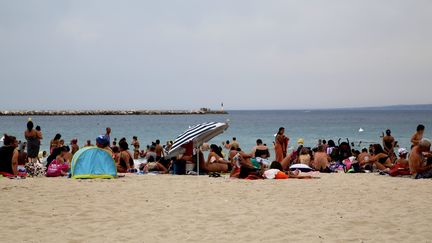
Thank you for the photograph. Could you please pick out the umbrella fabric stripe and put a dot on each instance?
(191, 135)
(193, 129)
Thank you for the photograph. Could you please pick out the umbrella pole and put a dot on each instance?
(197, 154)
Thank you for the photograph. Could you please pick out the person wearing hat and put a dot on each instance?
(403, 161)
(102, 142)
(401, 167)
(300, 141)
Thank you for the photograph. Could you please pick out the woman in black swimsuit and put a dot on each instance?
(124, 161)
(260, 150)
(380, 158)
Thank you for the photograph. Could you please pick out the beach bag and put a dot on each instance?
(55, 169)
(179, 167)
(347, 163)
(338, 167)
(22, 172)
(35, 169)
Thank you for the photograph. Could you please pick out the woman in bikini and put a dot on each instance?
(55, 142)
(124, 160)
(215, 160)
(380, 158)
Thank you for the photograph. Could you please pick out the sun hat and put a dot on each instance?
(300, 141)
(402, 151)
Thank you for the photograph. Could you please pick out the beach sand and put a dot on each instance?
(166, 208)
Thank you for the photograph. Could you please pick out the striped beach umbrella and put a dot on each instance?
(198, 134)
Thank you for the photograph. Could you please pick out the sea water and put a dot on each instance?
(247, 126)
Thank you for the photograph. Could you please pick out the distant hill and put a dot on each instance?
(423, 107)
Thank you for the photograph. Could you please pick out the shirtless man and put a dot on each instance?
(74, 146)
(159, 150)
(417, 165)
(389, 144)
(242, 165)
(415, 139)
(234, 143)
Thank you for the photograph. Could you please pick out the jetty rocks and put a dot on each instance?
(202, 111)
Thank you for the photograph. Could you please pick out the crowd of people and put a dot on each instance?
(25, 159)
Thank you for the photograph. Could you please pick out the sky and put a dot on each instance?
(188, 54)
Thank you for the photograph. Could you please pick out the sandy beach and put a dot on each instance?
(166, 208)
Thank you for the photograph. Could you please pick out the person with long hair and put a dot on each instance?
(55, 142)
(9, 156)
(124, 160)
(281, 145)
(216, 161)
(380, 158)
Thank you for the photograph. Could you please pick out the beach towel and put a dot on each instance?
(35, 169)
(5, 174)
(271, 174)
(399, 170)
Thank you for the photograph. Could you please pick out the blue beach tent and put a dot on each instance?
(93, 162)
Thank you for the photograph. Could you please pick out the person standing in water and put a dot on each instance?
(281, 145)
(33, 141)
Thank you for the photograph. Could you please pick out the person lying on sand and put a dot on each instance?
(276, 172)
(242, 164)
(153, 166)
